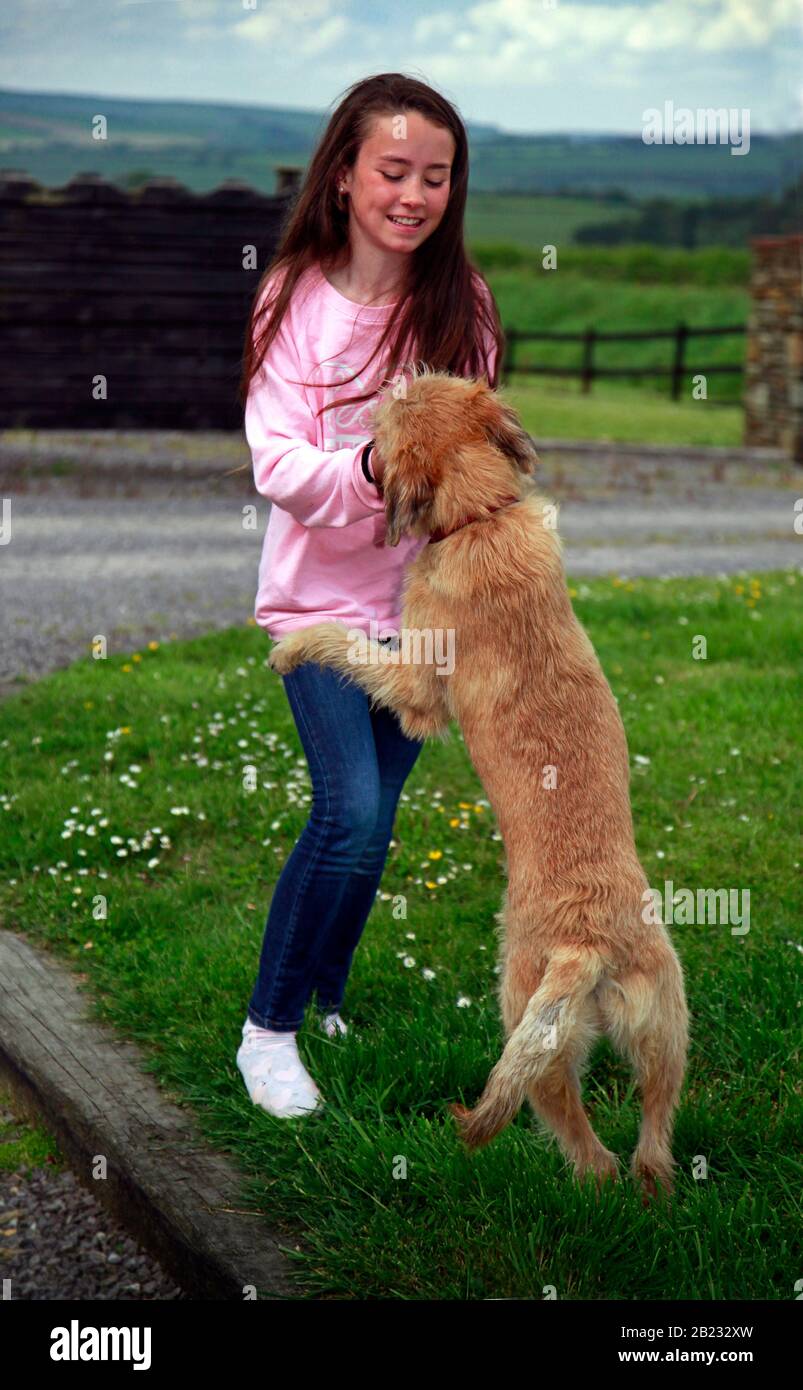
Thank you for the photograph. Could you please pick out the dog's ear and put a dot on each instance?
(405, 501)
(504, 430)
(408, 489)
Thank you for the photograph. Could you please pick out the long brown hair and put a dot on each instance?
(443, 311)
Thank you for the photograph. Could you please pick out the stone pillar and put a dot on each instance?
(773, 392)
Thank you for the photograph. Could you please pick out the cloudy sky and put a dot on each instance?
(526, 65)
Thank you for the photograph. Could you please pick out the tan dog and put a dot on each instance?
(579, 951)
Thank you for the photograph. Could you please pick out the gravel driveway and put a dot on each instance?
(58, 1242)
(138, 536)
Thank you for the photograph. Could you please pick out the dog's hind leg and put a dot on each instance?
(647, 1019)
(557, 1101)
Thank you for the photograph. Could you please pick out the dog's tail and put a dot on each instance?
(532, 1048)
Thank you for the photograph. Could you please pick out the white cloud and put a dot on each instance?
(287, 23)
(325, 36)
(579, 30)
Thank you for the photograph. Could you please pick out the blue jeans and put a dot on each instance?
(359, 760)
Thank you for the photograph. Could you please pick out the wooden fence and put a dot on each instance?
(588, 371)
(146, 290)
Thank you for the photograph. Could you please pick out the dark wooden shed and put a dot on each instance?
(142, 295)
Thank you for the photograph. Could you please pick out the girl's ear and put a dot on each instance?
(505, 432)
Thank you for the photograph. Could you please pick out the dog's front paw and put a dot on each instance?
(285, 656)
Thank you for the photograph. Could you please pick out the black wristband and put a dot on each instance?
(366, 451)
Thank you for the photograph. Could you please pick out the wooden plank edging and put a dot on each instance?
(164, 1182)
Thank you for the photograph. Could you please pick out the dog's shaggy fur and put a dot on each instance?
(544, 733)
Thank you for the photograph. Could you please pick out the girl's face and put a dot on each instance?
(402, 170)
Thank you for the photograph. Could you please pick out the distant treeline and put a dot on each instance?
(721, 221)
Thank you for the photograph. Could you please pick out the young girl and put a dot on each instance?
(371, 263)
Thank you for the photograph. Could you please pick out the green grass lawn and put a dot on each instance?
(123, 778)
(24, 1143)
(616, 412)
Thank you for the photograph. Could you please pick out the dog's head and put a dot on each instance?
(452, 447)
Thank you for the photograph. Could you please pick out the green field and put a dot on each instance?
(628, 290)
(123, 778)
(526, 222)
(613, 412)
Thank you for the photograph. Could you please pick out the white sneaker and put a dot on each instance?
(333, 1025)
(274, 1074)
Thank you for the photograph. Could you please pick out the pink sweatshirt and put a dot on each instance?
(323, 557)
